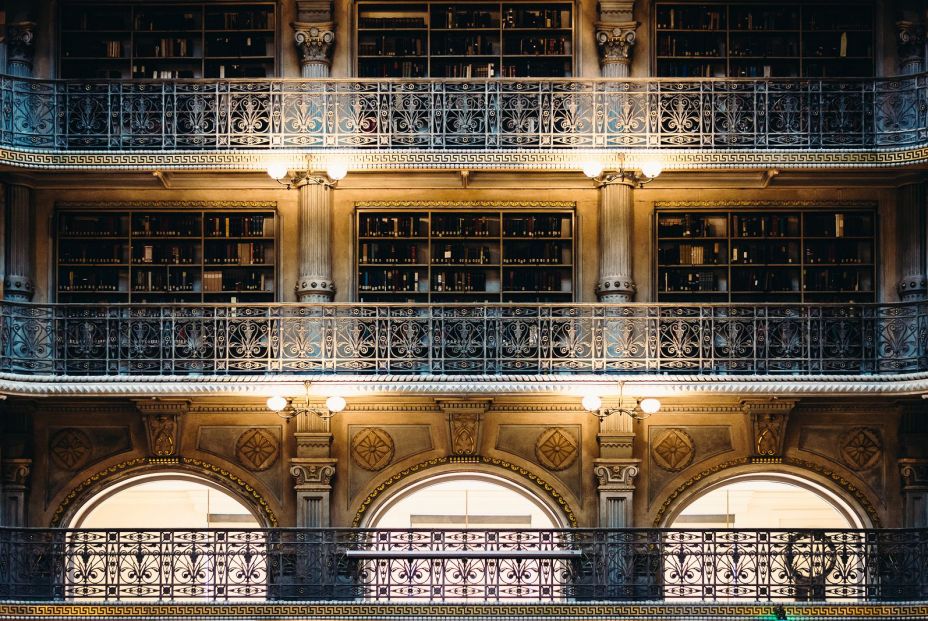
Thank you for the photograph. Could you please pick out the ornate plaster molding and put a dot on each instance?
(464, 422)
(616, 41)
(312, 474)
(20, 43)
(914, 473)
(769, 418)
(314, 42)
(910, 43)
(613, 475)
(16, 473)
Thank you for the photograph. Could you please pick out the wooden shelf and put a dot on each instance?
(734, 38)
(146, 30)
(469, 40)
(467, 253)
(759, 262)
(155, 254)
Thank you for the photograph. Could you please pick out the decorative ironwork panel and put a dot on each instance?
(549, 114)
(485, 339)
(476, 566)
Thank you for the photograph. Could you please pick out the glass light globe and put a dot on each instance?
(276, 403)
(277, 170)
(335, 404)
(651, 169)
(592, 169)
(336, 170)
(591, 403)
(649, 405)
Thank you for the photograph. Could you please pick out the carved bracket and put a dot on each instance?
(314, 41)
(312, 474)
(615, 41)
(464, 423)
(769, 418)
(162, 424)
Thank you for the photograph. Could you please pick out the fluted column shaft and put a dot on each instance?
(910, 223)
(315, 282)
(18, 284)
(615, 284)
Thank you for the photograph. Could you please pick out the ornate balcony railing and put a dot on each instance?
(490, 339)
(804, 115)
(474, 566)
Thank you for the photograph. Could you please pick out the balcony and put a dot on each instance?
(464, 566)
(817, 342)
(510, 124)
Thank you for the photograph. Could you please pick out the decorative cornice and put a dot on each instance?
(314, 41)
(451, 159)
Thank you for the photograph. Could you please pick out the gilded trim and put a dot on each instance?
(477, 204)
(764, 203)
(149, 205)
(210, 469)
(343, 610)
(546, 487)
(846, 485)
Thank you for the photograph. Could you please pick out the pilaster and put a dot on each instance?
(616, 32)
(18, 283)
(910, 43)
(315, 282)
(15, 484)
(615, 284)
(20, 49)
(915, 492)
(910, 224)
(313, 487)
(616, 491)
(314, 35)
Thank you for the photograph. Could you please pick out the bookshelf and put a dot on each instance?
(808, 255)
(161, 253)
(464, 39)
(753, 39)
(167, 41)
(461, 254)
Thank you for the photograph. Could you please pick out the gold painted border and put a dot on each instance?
(855, 204)
(546, 487)
(298, 610)
(211, 470)
(154, 205)
(846, 485)
(477, 204)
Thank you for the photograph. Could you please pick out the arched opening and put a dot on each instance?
(166, 535)
(772, 501)
(466, 537)
(464, 500)
(164, 500)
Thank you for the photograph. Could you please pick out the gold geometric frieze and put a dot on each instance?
(257, 449)
(70, 449)
(557, 448)
(861, 448)
(673, 450)
(372, 449)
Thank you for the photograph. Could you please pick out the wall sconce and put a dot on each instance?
(286, 409)
(632, 178)
(643, 409)
(335, 172)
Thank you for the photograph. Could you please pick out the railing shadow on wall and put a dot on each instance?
(463, 565)
(484, 339)
(437, 114)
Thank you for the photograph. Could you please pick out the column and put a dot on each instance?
(616, 469)
(20, 37)
(910, 224)
(15, 483)
(313, 469)
(315, 253)
(615, 284)
(910, 43)
(314, 33)
(615, 37)
(915, 492)
(18, 284)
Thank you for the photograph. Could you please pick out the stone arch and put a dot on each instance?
(527, 481)
(124, 472)
(847, 497)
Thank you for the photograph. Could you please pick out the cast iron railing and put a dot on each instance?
(486, 339)
(464, 565)
(550, 114)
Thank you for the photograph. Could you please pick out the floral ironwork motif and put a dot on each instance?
(557, 448)
(372, 448)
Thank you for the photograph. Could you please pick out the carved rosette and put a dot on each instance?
(557, 448)
(314, 42)
(673, 450)
(257, 449)
(20, 44)
(861, 448)
(372, 449)
(910, 42)
(615, 42)
(70, 449)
